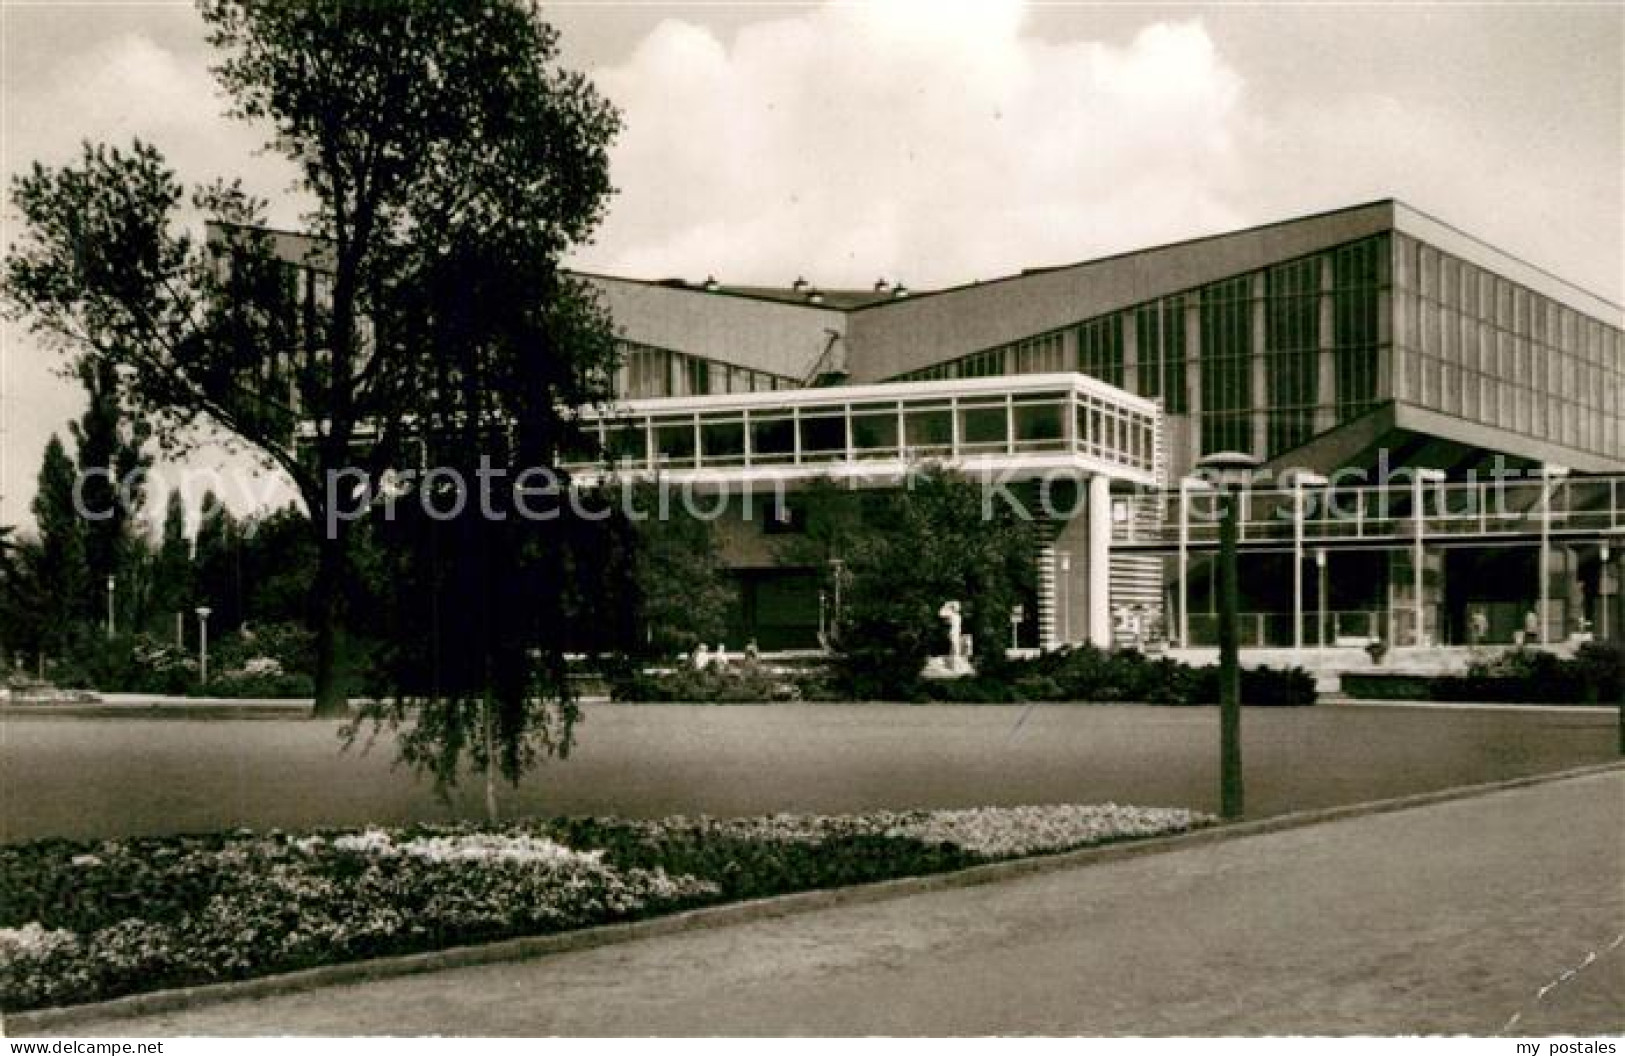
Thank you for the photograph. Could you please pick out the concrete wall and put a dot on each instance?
(779, 338)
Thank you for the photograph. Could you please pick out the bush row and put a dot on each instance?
(1082, 675)
(1531, 676)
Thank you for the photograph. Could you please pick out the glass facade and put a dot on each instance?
(1292, 345)
(1226, 366)
(647, 371)
(1100, 349)
(1472, 344)
(1159, 328)
(1262, 361)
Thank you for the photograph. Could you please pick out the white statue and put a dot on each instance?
(956, 662)
(702, 657)
(950, 612)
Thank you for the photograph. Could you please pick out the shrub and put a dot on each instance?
(736, 684)
(1526, 676)
(1083, 674)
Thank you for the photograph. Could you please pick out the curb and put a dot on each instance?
(49, 1020)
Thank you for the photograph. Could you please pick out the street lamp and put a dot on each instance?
(1229, 471)
(203, 644)
(110, 588)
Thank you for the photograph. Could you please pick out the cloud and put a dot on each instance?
(930, 142)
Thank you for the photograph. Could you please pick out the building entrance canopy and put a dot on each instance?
(1014, 428)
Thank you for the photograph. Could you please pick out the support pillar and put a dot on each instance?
(1046, 586)
(1098, 561)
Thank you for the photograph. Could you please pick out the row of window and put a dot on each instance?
(1473, 344)
(945, 428)
(646, 372)
(1330, 303)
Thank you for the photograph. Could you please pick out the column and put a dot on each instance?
(1098, 561)
(1046, 585)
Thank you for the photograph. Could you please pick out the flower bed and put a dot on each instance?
(82, 922)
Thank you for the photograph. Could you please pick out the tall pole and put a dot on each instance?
(1184, 566)
(1297, 566)
(1417, 558)
(111, 586)
(1320, 597)
(203, 644)
(1231, 797)
(1544, 564)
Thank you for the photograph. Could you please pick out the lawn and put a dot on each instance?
(103, 777)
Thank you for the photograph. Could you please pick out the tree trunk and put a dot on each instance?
(326, 601)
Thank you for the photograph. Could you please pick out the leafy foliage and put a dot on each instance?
(1519, 676)
(442, 150)
(903, 554)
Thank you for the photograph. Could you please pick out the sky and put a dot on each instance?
(934, 142)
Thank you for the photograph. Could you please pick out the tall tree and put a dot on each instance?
(424, 131)
(61, 588)
(906, 552)
(112, 462)
(172, 584)
(217, 564)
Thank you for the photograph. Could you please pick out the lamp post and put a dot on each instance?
(111, 586)
(1320, 597)
(203, 644)
(1230, 471)
(1017, 614)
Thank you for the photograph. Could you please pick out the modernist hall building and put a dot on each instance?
(1370, 344)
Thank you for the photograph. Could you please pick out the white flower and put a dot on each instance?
(33, 942)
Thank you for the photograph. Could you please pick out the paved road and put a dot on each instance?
(1443, 919)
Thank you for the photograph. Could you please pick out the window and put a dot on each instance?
(823, 437)
(930, 430)
(1045, 354)
(722, 443)
(874, 431)
(1038, 426)
(1227, 396)
(772, 439)
(674, 441)
(1292, 348)
(983, 426)
(1100, 349)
